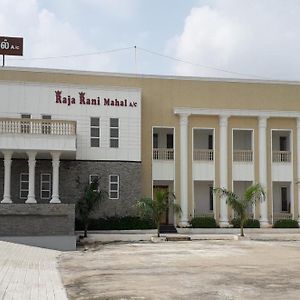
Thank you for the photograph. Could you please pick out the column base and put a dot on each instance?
(184, 223)
(224, 224)
(6, 199)
(55, 200)
(264, 224)
(30, 200)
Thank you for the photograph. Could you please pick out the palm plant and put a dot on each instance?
(157, 207)
(240, 206)
(88, 203)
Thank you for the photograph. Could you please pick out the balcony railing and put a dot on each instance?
(243, 155)
(163, 154)
(37, 126)
(282, 215)
(203, 154)
(281, 156)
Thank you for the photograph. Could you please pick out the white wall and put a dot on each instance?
(276, 134)
(39, 99)
(242, 140)
(201, 197)
(162, 136)
(201, 138)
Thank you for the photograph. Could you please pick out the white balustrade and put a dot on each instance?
(243, 155)
(36, 126)
(202, 154)
(281, 156)
(163, 154)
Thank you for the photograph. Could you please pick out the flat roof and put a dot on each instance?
(150, 76)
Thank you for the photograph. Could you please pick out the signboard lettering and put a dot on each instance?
(11, 46)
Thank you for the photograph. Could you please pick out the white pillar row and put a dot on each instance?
(184, 169)
(298, 166)
(31, 166)
(7, 176)
(223, 123)
(55, 177)
(262, 135)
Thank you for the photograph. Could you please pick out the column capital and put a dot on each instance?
(31, 155)
(262, 121)
(223, 119)
(298, 122)
(184, 118)
(55, 155)
(7, 154)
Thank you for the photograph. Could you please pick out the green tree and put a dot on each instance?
(89, 203)
(253, 194)
(157, 207)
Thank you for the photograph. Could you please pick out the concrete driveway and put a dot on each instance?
(227, 269)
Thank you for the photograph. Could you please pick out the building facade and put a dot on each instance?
(136, 134)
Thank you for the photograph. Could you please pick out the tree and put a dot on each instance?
(157, 207)
(240, 206)
(88, 203)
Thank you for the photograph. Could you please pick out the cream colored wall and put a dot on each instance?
(160, 96)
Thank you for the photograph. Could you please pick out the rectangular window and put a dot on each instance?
(210, 142)
(95, 132)
(25, 124)
(211, 198)
(282, 143)
(169, 141)
(155, 140)
(114, 186)
(46, 125)
(45, 186)
(24, 185)
(95, 178)
(114, 132)
(284, 199)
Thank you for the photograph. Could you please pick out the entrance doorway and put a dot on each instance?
(162, 188)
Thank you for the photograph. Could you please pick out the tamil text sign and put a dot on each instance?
(11, 45)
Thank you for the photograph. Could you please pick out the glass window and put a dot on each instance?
(284, 199)
(114, 183)
(24, 185)
(96, 179)
(211, 198)
(95, 132)
(45, 186)
(114, 133)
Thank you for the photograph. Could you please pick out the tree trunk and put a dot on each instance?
(158, 234)
(85, 230)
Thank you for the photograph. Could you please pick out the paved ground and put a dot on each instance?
(228, 269)
(29, 273)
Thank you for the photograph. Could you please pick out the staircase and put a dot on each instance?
(169, 228)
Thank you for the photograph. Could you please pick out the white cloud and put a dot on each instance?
(45, 35)
(254, 37)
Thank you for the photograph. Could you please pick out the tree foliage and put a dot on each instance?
(156, 208)
(90, 201)
(252, 194)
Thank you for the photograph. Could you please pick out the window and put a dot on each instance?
(114, 186)
(210, 142)
(46, 125)
(211, 198)
(155, 140)
(284, 199)
(114, 133)
(24, 185)
(95, 178)
(45, 186)
(282, 143)
(25, 124)
(95, 132)
(169, 141)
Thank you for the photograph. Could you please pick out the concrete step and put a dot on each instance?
(178, 238)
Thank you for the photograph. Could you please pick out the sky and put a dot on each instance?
(207, 38)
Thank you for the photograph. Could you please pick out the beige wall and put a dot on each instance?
(161, 95)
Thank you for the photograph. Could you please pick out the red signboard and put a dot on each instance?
(11, 45)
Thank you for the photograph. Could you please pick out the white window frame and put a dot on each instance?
(95, 137)
(91, 180)
(23, 190)
(41, 186)
(114, 138)
(118, 187)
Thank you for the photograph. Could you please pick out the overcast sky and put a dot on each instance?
(258, 38)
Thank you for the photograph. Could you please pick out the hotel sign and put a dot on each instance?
(11, 46)
(83, 99)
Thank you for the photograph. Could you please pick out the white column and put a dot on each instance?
(298, 166)
(31, 170)
(7, 174)
(262, 145)
(223, 123)
(55, 177)
(184, 169)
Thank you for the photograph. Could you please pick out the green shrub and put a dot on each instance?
(250, 223)
(117, 223)
(286, 223)
(203, 222)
